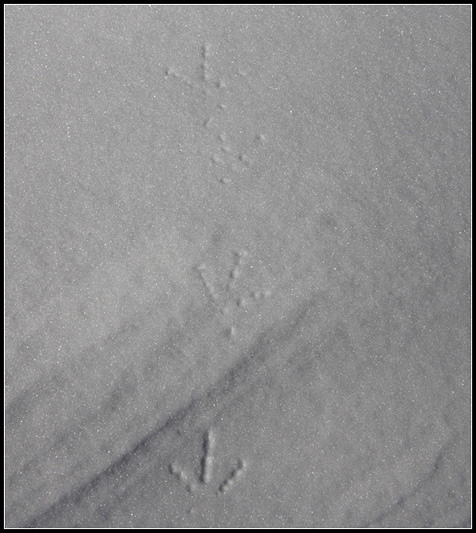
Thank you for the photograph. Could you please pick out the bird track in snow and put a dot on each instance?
(207, 459)
(206, 468)
(227, 159)
(204, 77)
(229, 296)
(206, 464)
(231, 478)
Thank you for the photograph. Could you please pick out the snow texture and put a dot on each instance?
(237, 266)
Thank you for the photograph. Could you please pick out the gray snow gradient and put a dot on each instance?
(237, 266)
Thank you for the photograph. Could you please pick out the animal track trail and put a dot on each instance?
(244, 297)
(209, 287)
(203, 80)
(182, 477)
(228, 159)
(205, 74)
(207, 459)
(235, 272)
(231, 478)
(230, 292)
(205, 476)
(206, 465)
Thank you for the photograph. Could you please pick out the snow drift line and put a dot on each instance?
(231, 386)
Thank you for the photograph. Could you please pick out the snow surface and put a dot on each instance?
(238, 266)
